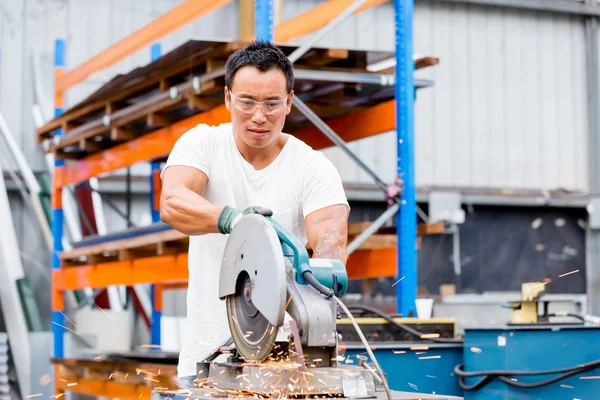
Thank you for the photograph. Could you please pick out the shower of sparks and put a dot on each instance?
(398, 281)
(569, 273)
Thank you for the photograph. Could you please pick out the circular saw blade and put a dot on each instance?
(252, 333)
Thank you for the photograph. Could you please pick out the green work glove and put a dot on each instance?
(230, 216)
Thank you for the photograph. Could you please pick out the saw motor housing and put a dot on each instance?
(266, 272)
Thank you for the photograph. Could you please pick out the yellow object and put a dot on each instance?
(526, 312)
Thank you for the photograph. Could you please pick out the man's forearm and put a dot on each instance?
(188, 212)
(331, 244)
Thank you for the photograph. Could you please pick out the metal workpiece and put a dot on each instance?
(221, 394)
(285, 379)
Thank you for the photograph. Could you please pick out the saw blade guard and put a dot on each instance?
(253, 248)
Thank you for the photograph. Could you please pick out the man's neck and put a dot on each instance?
(261, 158)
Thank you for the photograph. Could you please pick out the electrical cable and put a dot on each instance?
(366, 344)
(406, 328)
(502, 375)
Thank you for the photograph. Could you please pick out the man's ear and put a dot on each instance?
(227, 97)
(289, 103)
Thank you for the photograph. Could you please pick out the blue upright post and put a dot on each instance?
(58, 317)
(406, 220)
(263, 20)
(155, 53)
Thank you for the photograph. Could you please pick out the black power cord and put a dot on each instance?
(502, 375)
(406, 328)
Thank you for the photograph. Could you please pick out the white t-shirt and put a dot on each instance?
(299, 181)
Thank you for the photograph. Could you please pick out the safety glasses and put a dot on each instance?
(248, 106)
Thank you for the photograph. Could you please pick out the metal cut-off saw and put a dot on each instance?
(265, 273)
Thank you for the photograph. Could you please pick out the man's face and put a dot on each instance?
(258, 125)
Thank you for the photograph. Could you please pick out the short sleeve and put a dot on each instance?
(321, 184)
(194, 148)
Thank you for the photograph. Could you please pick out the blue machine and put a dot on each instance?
(570, 352)
(409, 367)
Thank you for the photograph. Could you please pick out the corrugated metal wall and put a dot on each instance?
(507, 110)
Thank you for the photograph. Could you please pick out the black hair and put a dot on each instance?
(264, 56)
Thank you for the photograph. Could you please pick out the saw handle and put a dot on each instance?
(293, 247)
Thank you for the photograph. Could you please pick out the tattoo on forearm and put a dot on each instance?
(329, 246)
(333, 215)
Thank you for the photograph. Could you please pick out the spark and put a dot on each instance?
(429, 357)
(399, 351)
(68, 319)
(34, 395)
(569, 273)
(58, 396)
(64, 327)
(72, 384)
(430, 376)
(476, 350)
(398, 281)
(102, 310)
(150, 346)
(419, 348)
(567, 386)
(589, 377)
(430, 335)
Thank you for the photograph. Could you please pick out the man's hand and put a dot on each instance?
(327, 231)
(230, 216)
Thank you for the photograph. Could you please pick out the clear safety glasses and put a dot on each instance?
(248, 106)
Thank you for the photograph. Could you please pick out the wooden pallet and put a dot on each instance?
(165, 92)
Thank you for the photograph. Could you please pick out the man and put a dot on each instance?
(215, 175)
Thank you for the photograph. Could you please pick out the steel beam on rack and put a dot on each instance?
(184, 13)
(172, 268)
(113, 119)
(557, 6)
(372, 121)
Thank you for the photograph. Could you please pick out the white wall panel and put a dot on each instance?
(508, 106)
(507, 109)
